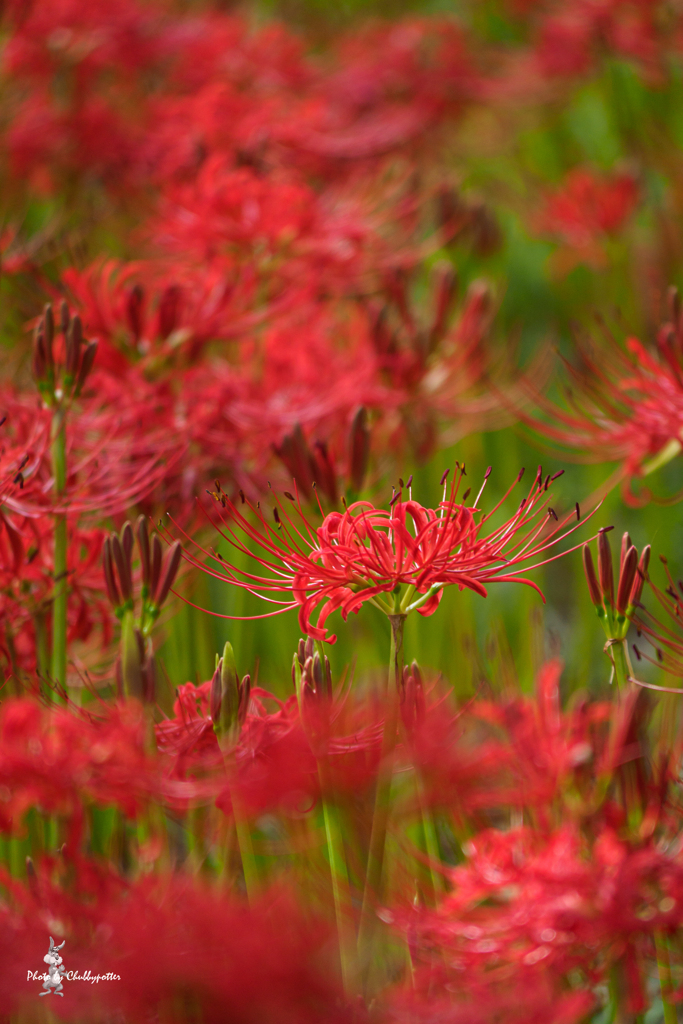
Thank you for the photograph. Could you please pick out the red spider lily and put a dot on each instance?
(584, 211)
(27, 584)
(364, 553)
(60, 760)
(665, 637)
(627, 405)
(213, 955)
(118, 448)
(536, 907)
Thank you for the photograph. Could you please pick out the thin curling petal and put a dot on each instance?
(626, 580)
(368, 554)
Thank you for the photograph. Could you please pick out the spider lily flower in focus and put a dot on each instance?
(398, 559)
(626, 406)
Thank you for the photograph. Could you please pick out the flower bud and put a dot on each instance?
(245, 697)
(168, 315)
(134, 311)
(74, 341)
(49, 334)
(123, 566)
(301, 652)
(172, 563)
(86, 366)
(626, 580)
(605, 571)
(640, 576)
(155, 567)
(109, 576)
(591, 578)
(143, 548)
(127, 541)
(359, 449)
(39, 360)
(64, 317)
(445, 285)
(227, 718)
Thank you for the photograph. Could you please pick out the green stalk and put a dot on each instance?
(340, 883)
(380, 819)
(665, 983)
(59, 602)
(431, 839)
(622, 669)
(246, 847)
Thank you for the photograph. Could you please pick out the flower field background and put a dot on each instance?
(341, 477)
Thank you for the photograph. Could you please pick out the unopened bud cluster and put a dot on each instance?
(229, 699)
(135, 669)
(60, 369)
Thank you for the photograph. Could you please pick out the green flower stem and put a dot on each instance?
(341, 892)
(666, 985)
(380, 819)
(431, 839)
(59, 601)
(246, 847)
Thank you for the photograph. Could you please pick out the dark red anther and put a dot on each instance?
(520, 474)
(290, 496)
(444, 477)
(578, 512)
(276, 517)
(552, 513)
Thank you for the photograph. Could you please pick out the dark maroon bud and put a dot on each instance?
(123, 567)
(155, 568)
(626, 579)
(307, 674)
(445, 286)
(605, 571)
(309, 647)
(74, 341)
(127, 541)
(625, 545)
(49, 334)
(109, 577)
(640, 576)
(317, 673)
(591, 578)
(64, 317)
(325, 474)
(39, 362)
(134, 311)
(359, 449)
(172, 563)
(276, 517)
(301, 652)
(87, 361)
(169, 310)
(143, 548)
